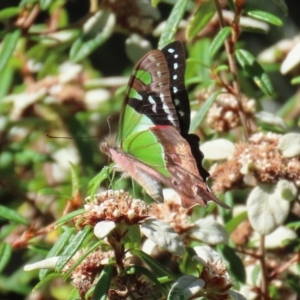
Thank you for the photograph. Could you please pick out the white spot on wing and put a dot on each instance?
(175, 89)
(175, 66)
(158, 73)
(175, 56)
(151, 100)
(171, 50)
(152, 58)
(175, 77)
(169, 115)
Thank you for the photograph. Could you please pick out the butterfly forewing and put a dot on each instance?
(148, 94)
(175, 57)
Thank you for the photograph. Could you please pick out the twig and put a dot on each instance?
(264, 275)
(229, 46)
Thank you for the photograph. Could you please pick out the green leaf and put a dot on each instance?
(96, 181)
(45, 4)
(235, 222)
(5, 255)
(255, 71)
(282, 5)
(73, 247)
(103, 283)
(9, 12)
(203, 15)
(231, 5)
(6, 79)
(156, 267)
(172, 23)
(235, 263)
(74, 295)
(155, 2)
(265, 16)
(46, 279)
(200, 115)
(293, 281)
(219, 40)
(12, 215)
(82, 258)
(295, 80)
(57, 248)
(8, 46)
(152, 276)
(75, 181)
(69, 216)
(96, 31)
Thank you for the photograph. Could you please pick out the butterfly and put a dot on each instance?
(153, 145)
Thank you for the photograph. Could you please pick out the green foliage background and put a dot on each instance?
(60, 78)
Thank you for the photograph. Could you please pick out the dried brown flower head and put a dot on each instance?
(117, 206)
(131, 286)
(223, 115)
(172, 213)
(259, 160)
(217, 281)
(84, 275)
(135, 16)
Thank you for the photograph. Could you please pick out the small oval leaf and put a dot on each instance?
(254, 71)
(219, 149)
(103, 284)
(219, 40)
(5, 254)
(172, 23)
(163, 235)
(203, 15)
(209, 231)
(103, 228)
(96, 31)
(185, 287)
(12, 215)
(266, 208)
(201, 113)
(289, 145)
(8, 46)
(265, 16)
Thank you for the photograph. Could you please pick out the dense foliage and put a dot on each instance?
(72, 228)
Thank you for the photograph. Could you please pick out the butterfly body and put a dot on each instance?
(153, 145)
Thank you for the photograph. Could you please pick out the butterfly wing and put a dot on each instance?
(148, 98)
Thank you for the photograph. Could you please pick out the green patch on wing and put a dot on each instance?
(131, 123)
(144, 146)
(133, 93)
(144, 76)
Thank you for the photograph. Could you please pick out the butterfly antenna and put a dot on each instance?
(68, 137)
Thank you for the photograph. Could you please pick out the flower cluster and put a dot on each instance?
(83, 277)
(214, 274)
(136, 16)
(116, 206)
(223, 115)
(131, 285)
(172, 213)
(259, 160)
